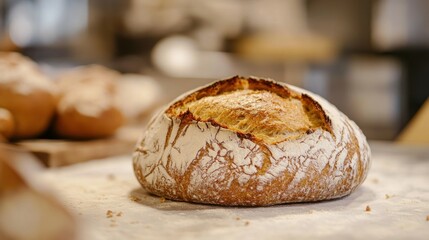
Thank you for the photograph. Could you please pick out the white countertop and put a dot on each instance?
(396, 191)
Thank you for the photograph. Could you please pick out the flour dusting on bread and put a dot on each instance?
(209, 147)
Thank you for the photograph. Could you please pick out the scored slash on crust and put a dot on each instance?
(181, 111)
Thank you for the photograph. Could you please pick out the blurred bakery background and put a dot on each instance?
(370, 58)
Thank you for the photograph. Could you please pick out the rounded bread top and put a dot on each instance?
(88, 89)
(22, 74)
(90, 76)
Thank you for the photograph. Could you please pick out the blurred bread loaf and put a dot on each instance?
(28, 212)
(7, 124)
(91, 76)
(87, 108)
(251, 142)
(27, 94)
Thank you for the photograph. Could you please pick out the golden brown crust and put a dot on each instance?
(27, 94)
(232, 84)
(7, 124)
(86, 108)
(72, 124)
(188, 155)
(257, 109)
(316, 113)
(32, 112)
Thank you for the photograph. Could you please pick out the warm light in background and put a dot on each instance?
(336, 49)
(176, 55)
(45, 22)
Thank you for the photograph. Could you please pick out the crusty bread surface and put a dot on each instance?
(88, 76)
(7, 124)
(251, 142)
(86, 108)
(27, 94)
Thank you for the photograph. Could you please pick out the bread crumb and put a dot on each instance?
(427, 218)
(237, 218)
(387, 196)
(162, 200)
(109, 214)
(246, 223)
(119, 214)
(113, 225)
(367, 209)
(135, 199)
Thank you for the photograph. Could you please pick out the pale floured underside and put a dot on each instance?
(202, 162)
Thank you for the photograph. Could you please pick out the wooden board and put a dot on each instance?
(55, 153)
(417, 132)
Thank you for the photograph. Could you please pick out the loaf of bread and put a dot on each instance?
(251, 142)
(7, 124)
(27, 94)
(87, 107)
(92, 76)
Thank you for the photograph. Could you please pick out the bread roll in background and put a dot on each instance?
(86, 114)
(27, 94)
(251, 142)
(7, 124)
(87, 107)
(26, 211)
(91, 76)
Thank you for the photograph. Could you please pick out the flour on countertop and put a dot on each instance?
(85, 189)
